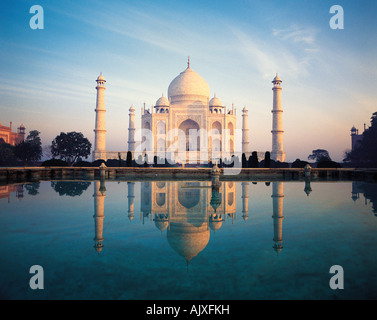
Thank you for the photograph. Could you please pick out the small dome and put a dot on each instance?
(277, 79)
(161, 224)
(215, 102)
(162, 102)
(353, 128)
(101, 78)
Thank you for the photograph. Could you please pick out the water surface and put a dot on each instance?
(188, 239)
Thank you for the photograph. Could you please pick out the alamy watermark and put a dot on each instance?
(37, 20)
(337, 280)
(190, 147)
(37, 280)
(337, 20)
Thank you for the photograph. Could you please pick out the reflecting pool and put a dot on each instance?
(188, 239)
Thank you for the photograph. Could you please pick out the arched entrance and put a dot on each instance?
(190, 129)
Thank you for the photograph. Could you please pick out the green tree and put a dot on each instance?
(253, 160)
(244, 161)
(267, 159)
(129, 159)
(6, 153)
(319, 155)
(70, 146)
(30, 149)
(72, 189)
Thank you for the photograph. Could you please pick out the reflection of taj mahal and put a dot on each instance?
(188, 211)
(188, 125)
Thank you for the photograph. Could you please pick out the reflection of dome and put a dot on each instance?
(215, 225)
(188, 241)
(215, 102)
(188, 86)
(215, 222)
(161, 222)
(98, 249)
(277, 247)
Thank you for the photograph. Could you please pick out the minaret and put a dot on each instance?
(245, 131)
(99, 206)
(100, 131)
(245, 200)
(277, 207)
(277, 152)
(131, 199)
(131, 130)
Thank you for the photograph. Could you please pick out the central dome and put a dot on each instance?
(188, 87)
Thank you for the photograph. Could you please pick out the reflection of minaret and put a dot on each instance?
(355, 191)
(131, 199)
(245, 200)
(277, 203)
(145, 196)
(99, 206)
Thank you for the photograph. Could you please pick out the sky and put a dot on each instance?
(329, 75)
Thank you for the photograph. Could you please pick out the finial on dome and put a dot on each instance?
(188, 62)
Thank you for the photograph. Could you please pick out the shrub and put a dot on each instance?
(83, 164)
(54, 163)
(328, 164)
(299, 163)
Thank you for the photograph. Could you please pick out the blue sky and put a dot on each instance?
(48, 76)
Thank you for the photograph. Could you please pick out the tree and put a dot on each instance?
(70, 146)
(72, 189)
(244, 162)
(6, 153)
(253, 160)
(30, 149)
(319, 155)
(267, 159)
(129, 159)
(299, 163)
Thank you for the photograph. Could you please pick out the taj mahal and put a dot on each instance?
(187, 125)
